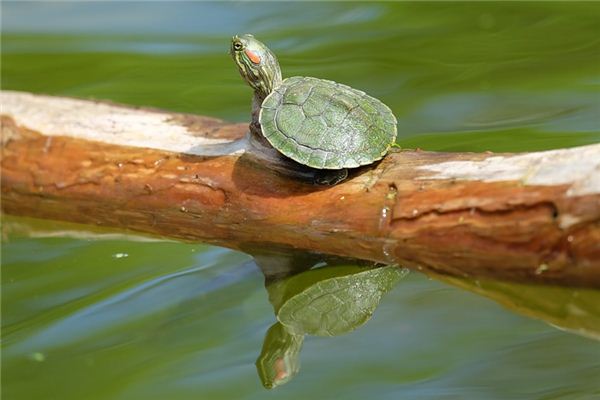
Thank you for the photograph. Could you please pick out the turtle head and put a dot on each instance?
(256, 63)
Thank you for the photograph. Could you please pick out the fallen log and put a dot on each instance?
(531, 217)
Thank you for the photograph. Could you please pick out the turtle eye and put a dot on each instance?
(237, 46)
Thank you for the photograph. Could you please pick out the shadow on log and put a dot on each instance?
(531, 217)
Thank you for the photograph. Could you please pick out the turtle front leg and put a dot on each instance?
(330, 176)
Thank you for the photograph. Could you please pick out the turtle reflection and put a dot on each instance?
(327, 301)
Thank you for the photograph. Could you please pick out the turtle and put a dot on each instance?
(327, 301)
(319, 124)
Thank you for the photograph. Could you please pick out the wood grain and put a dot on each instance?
(530, 217)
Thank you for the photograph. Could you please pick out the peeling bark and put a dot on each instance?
(531, 217)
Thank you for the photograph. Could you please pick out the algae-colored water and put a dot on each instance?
(113, 317)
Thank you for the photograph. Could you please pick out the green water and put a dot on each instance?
(115, 317)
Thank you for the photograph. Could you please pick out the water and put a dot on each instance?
(100, 316)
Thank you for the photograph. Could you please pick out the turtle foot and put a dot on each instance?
(330, 177)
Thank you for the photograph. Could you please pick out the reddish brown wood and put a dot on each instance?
(389, 213)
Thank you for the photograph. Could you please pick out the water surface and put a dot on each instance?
(105, 316)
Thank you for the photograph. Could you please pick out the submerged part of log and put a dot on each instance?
(531, 216)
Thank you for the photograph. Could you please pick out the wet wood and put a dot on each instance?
(530, 217)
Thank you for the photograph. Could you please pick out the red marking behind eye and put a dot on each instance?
(280, 368)
(255, 58)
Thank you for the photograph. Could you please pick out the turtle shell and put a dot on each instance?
(326, 125)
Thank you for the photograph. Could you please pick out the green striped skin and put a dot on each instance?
(279, 360)
(315, 122)
(262, 77)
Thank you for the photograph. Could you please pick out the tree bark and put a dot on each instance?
(530, 217)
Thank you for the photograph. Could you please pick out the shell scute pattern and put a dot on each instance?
(368, 107)
(332, 117)
(289, 118)
(297, 94)
(324, 124)
(347, 102)
(312, 107)
(311, 133)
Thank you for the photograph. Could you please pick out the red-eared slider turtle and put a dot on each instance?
(327, 301)
(318, 123)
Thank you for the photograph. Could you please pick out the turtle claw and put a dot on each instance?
(330, 177)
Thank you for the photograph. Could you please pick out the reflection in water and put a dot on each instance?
(321, 299)
(575, 310)
(184, 321)
(313, 295)
(279, 359)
